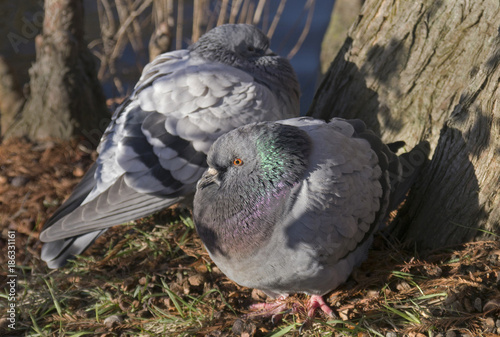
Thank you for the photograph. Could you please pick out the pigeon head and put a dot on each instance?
(245, 47)
(252, 170)
(270, 154)
(233, 44)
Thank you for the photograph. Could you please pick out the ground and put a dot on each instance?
(153, 277)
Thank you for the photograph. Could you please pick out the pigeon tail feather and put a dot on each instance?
(81, 191)
(58, 253)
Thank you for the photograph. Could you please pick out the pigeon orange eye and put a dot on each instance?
(237, 162)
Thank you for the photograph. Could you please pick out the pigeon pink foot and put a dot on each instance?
(316, 302)
(275, 309)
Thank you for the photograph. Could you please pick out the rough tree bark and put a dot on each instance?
(460, 190)
(429, 70)
(65, 95)
(344, 14)
(11, 98)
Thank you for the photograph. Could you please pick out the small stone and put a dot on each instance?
(112, 321)
(451, 333)
(492, 304)
(391, 334)
(185, 288)
(238, 326)
(344, 314)
(196, 280)
(497, 323)
(258, 295)
(478, 304)
(244, 329)
(450, 299)
(489, 322)
(468, 305)
(433, 270)
(78, 172)
(19, 181)
(402, 286)
(216, 270)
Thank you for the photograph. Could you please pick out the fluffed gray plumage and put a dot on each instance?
(154, 151)
(292, 206)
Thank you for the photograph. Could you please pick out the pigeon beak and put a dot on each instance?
(211, 176)
(269, 52)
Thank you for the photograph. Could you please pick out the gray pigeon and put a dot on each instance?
(154, 151)
(292, 206)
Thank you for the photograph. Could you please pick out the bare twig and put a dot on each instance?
(199, 11)
(108, 29)
(163, 18)
(276, 18)
(265, 19)
(136, 34)
(222, 13)
(110, 25)
(310, 4)
(251, 9)
(124, 24)
(180, 22)
(235, 8)
(213, 16)
(133, 31)
(258, 11)
(244, 11)
(120, 35)
(106, 22)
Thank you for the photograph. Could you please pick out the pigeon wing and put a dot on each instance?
(154, 150)
(335, 210)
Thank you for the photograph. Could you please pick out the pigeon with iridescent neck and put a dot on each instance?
(153, 152)
(292, 206)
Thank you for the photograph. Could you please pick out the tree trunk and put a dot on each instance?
(429, 70)
(404, 65)
(459, 191)
(65, 96)
(344, 13)
(11, 98)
